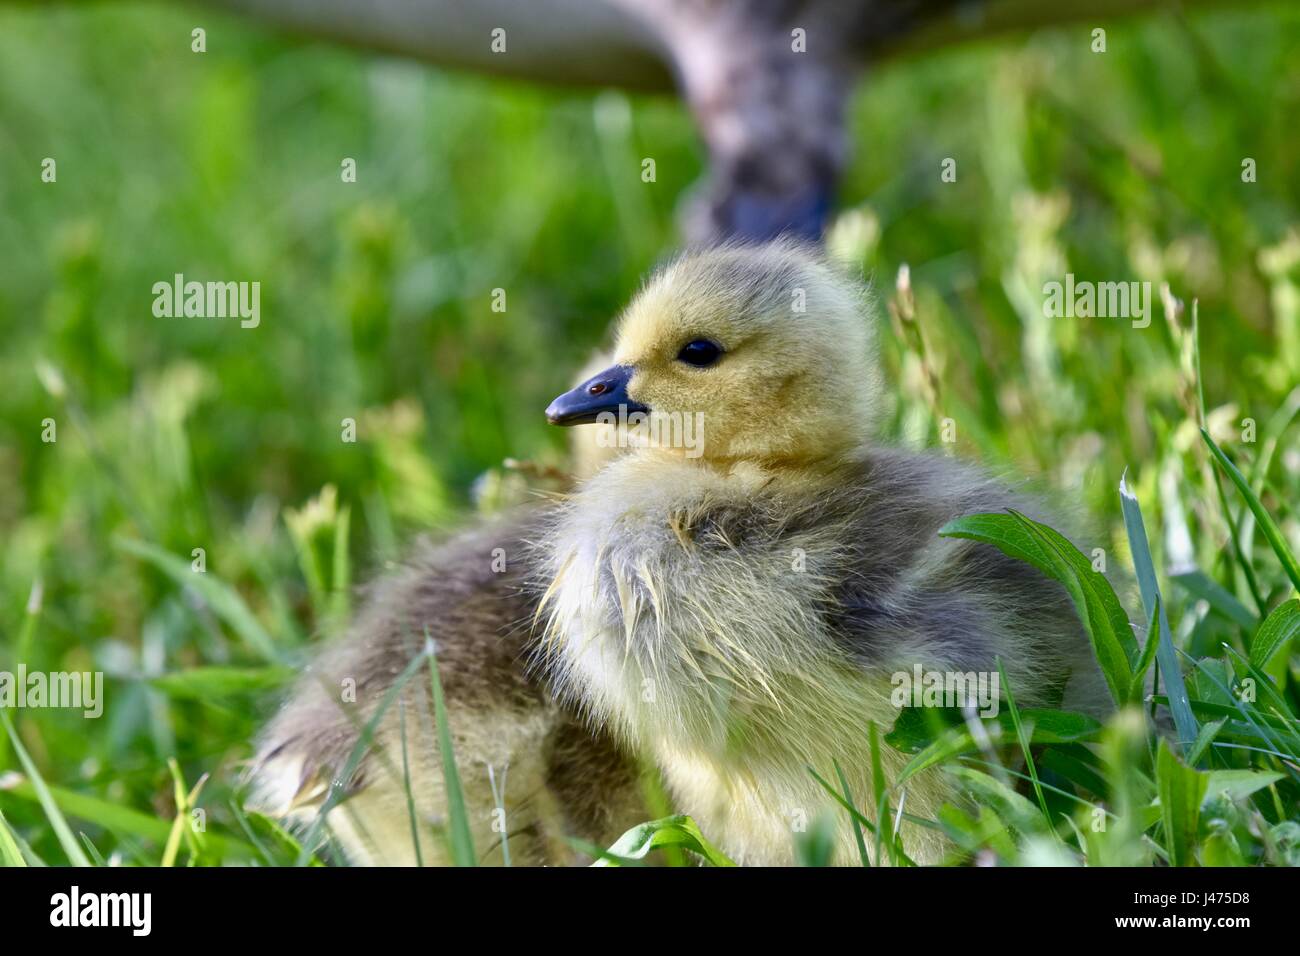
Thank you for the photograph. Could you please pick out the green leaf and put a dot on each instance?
(1045, 727)
(1221, 849)
(919, 727)
(1099, 609)
(972, 833)
(221, 597)
(1012, 808)
(1278, 629)
(916, 728)
(1239, 784)
(1002, 531)
(1076, 764)
(1184, 720)
(1262, 518)
(1181, 791)
(1222, 601)
(678, 831)
(218, 683)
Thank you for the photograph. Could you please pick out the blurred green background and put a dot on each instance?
(376, 305)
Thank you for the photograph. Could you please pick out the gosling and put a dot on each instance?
(735, 608)
(535, 777)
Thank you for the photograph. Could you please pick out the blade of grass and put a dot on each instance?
(1023, 739)
(462, 842)
(10, 855)
(173, 846)
(246, 825)
(216, 684)
(602, 857)
(1234, 531)
(27, 632)
(1283, 719)
(358, 751)
(680, 831)
(282, 837)
(1263, 519)
(117, 818)
(1181, 790)
(857, 827)
(1184, 720)
(1199, 584)
(23, 645)
(1204, 739)
(885, 834)
(1148, 651)
(76, 856)
(1245, 711)
(1104, 619)
(859, 817)
(341, 582)
(95, 855)
(1276, 426)
(185, 801)
(406, 786)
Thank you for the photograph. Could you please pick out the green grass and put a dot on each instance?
(176, 435)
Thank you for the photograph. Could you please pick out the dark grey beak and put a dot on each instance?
(606, 392)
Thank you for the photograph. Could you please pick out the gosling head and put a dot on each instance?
(740, 353)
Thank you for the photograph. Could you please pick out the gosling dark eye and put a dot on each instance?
(701, 353)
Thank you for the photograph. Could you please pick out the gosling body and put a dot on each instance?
(741, 629)
(741, 615)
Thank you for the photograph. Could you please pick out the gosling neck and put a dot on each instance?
(801, 471)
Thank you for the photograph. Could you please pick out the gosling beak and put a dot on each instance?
(606, 392)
